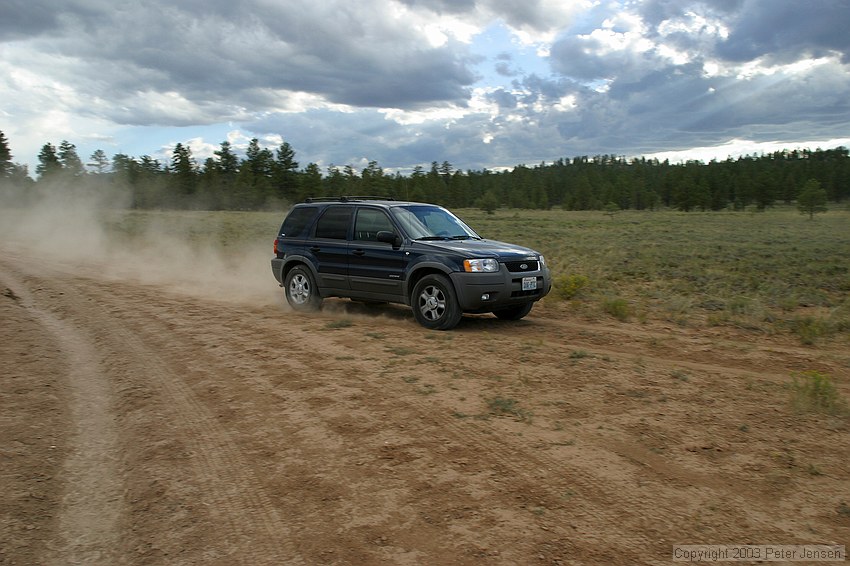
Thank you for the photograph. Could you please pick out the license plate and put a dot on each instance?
(529, 283)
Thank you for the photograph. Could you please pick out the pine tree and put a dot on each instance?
(71, 163)
(311, 181)
(373, 180)
(286, 177)
(228, 162)
(99, 162)
(184, 172)
(48, 162)
(812, 199)
(261, 162)
(6, 165)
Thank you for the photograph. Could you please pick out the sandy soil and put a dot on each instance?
(148, 424)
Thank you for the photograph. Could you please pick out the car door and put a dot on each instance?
(376, 269)
(329, 248)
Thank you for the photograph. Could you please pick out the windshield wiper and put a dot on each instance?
(464, 237)
(432, 238)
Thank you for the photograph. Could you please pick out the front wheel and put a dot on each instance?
(301, 292)
(514, 313)
(434, 303)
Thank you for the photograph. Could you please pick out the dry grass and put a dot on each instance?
(768, 272)
(771, 272)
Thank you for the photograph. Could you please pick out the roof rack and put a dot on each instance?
(345, 198)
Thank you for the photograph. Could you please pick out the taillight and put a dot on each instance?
(275, 246)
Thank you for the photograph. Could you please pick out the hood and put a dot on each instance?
(480, 249)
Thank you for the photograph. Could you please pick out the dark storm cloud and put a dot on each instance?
(215, 51)
(23, 18)
(627, 77)
(529, 13)
(786, 30)
(579, 58)
(503, 98)
(533, 14)
(442, 6)
(646, 99)
(656, 11)
(783, 30)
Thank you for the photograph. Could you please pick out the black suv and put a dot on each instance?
(422, 255)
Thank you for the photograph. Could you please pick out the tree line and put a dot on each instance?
(264, 178)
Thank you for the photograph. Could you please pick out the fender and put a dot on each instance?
(423, 264)
(286, 265)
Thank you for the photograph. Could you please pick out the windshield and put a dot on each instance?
(425, 222)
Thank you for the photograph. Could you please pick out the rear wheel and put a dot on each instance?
(514, 313)
(301, 292)
(434, 303)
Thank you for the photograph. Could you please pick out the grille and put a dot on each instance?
(516, 266)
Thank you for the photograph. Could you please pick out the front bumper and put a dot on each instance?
(501, 289)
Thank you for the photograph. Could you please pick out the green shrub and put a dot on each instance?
(618, 308)
(809, 328)
(506, 406)
(812, 391)
(569, 286)
(839, 318)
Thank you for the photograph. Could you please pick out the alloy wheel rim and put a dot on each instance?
(432, 303)
(299, 289)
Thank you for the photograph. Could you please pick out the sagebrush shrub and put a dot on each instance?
(568, 286)
(618, 308)
(812, 391)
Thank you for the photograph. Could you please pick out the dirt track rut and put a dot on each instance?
(228, 432)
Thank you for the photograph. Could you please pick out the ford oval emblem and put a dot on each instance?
(523, 266)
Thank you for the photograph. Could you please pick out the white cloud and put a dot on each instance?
(412, 81)
(736, 148)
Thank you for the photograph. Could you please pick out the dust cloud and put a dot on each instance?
(75, 228)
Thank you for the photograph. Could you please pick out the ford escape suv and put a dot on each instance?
(417, 254)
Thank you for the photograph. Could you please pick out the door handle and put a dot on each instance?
(315, 249)
(359, 252)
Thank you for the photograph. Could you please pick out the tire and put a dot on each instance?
(435, 304)
(514, 313)
(302, 294)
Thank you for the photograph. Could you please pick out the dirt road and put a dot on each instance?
(143, 424)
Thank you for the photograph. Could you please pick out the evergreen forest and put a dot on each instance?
(264, 178)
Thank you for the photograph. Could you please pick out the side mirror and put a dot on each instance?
(388, 237)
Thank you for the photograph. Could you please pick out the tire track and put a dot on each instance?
(611, 508)
(249, 529)
(243, 513)
(313, 426)
(513, 468)
(321, 442)
(92, 506)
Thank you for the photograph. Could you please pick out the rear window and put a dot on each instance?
(298, 221)
(334, 223)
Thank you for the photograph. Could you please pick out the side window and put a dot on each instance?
(369, 222)
(296, 224)
(334, 223)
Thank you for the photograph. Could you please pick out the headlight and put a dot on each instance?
(542, 261)
(480, 265)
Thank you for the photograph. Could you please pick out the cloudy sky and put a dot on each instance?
(477, 83)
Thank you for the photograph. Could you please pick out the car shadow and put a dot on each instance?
(469, 322)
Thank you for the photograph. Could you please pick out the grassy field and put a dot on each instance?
(771, 272)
